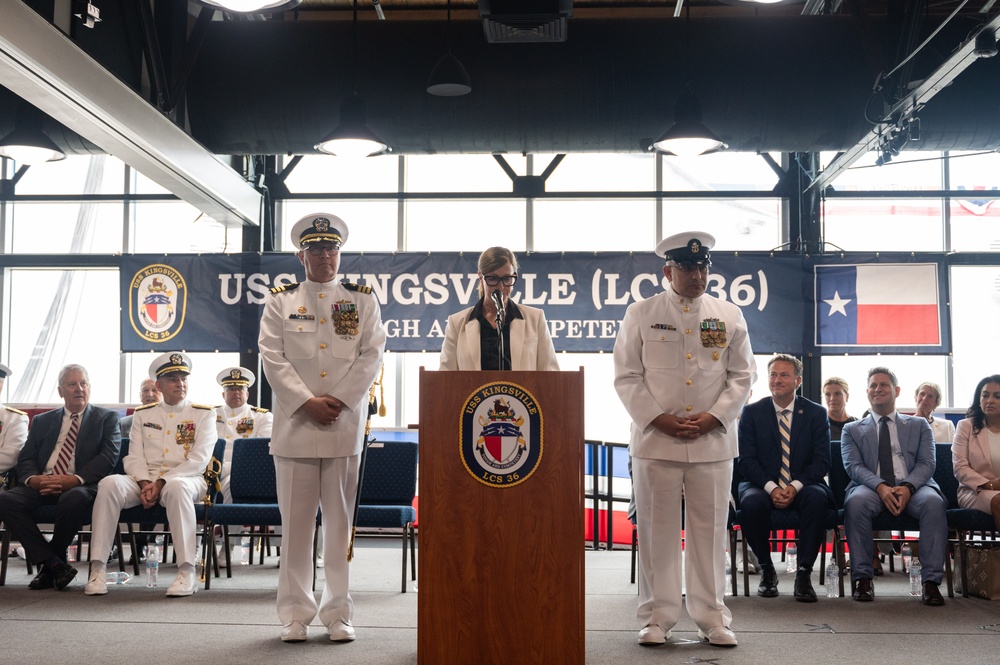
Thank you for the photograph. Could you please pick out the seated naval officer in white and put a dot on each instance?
(471, 337)
(171, 444)
(236, 419)
(13, 429)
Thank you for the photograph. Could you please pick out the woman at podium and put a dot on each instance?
(496, 333)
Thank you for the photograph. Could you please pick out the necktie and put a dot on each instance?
(885, 453)
(68, 447)
(785, 475)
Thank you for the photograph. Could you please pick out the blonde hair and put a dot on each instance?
(933, 386)
(492, 259)
(837, 381)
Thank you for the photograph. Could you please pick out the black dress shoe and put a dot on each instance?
(877, 566)
(63, 574)
(864, 590)
(43, 580)
(768, 587)
(932, 595)
(804, 591)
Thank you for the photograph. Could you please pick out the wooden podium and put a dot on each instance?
(501, 533)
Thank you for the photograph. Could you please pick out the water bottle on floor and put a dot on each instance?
(244, 550)
(153, 562)
(791, 558)
(916, 588)
(905, 553)
(118, 577)
(729, 580)
(832, 577)
(74, 549)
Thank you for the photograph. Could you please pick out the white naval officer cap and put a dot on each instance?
(319, 227)
(686, 247)
(4, 371)
(169, 363)
(236, 376)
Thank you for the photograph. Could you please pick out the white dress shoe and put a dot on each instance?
(296, 631)
(97, 585)
(342, 631)
(185, 584)
(719, 636)
(653, 635)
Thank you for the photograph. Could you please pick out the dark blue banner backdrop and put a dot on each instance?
(213, 302)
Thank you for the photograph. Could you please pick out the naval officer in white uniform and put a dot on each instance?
(236, 419)
(321, 343)
(170, 445)
(13, 429)
(683, 370)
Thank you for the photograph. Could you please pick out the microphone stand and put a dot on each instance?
(501, 313)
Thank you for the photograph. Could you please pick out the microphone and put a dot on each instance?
(498, 301)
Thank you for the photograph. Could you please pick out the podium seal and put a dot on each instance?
(500, 438)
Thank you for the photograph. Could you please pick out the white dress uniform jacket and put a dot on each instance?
(242, 423)
(176, 441)
(13, 434)
(662, 366)
(305, 356)
(530, 344)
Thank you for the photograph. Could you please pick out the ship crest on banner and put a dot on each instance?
(157, 302)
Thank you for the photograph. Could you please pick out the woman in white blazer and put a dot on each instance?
(976, 451)
(927, 397)
(471, 338)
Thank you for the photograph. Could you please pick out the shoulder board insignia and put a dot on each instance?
(258, 409)
(360, 288)
(285, 287)
(147, 406)
(206, 407)
(13, 410)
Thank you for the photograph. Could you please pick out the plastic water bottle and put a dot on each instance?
(832, 576)
(117, 577)
(153, 562)
(729, 579)
(244, 550)
(791, 558)
(74, 549)
(916, 588)
(905, 552)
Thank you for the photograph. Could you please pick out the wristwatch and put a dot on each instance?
(909, 486)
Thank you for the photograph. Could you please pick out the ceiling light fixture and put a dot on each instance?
(353, 137)
(449, 78)
(30, 147)
(986, 44)
(688, 136)
(252, 6)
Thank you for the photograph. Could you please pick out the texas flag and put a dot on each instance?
(877, 305)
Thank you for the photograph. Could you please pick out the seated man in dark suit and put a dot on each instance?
(67, 452)
(784, 456)
(890, 459)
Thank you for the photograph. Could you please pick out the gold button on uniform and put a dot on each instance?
(687, 408)
(170, 415)
(322, 345)
(689, 382)
(687, 332)
(662, 338)
(322, 320)
(300, 328)
(323, 374)
(688, 356)
(166, 450)
(322, 295)
(686, 308)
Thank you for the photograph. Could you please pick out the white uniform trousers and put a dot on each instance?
(178, 496)
(706, 489)
(305, 484)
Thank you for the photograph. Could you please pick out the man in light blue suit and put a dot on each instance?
(890, 460)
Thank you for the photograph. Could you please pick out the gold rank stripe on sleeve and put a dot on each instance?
(360, 288)
(146, 406)
(206, 407)
(13, 410)
(285, 287)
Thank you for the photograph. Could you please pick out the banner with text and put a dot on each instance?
(213, 302)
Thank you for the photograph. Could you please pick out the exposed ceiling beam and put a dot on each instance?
(908, 106)
(38, 63)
